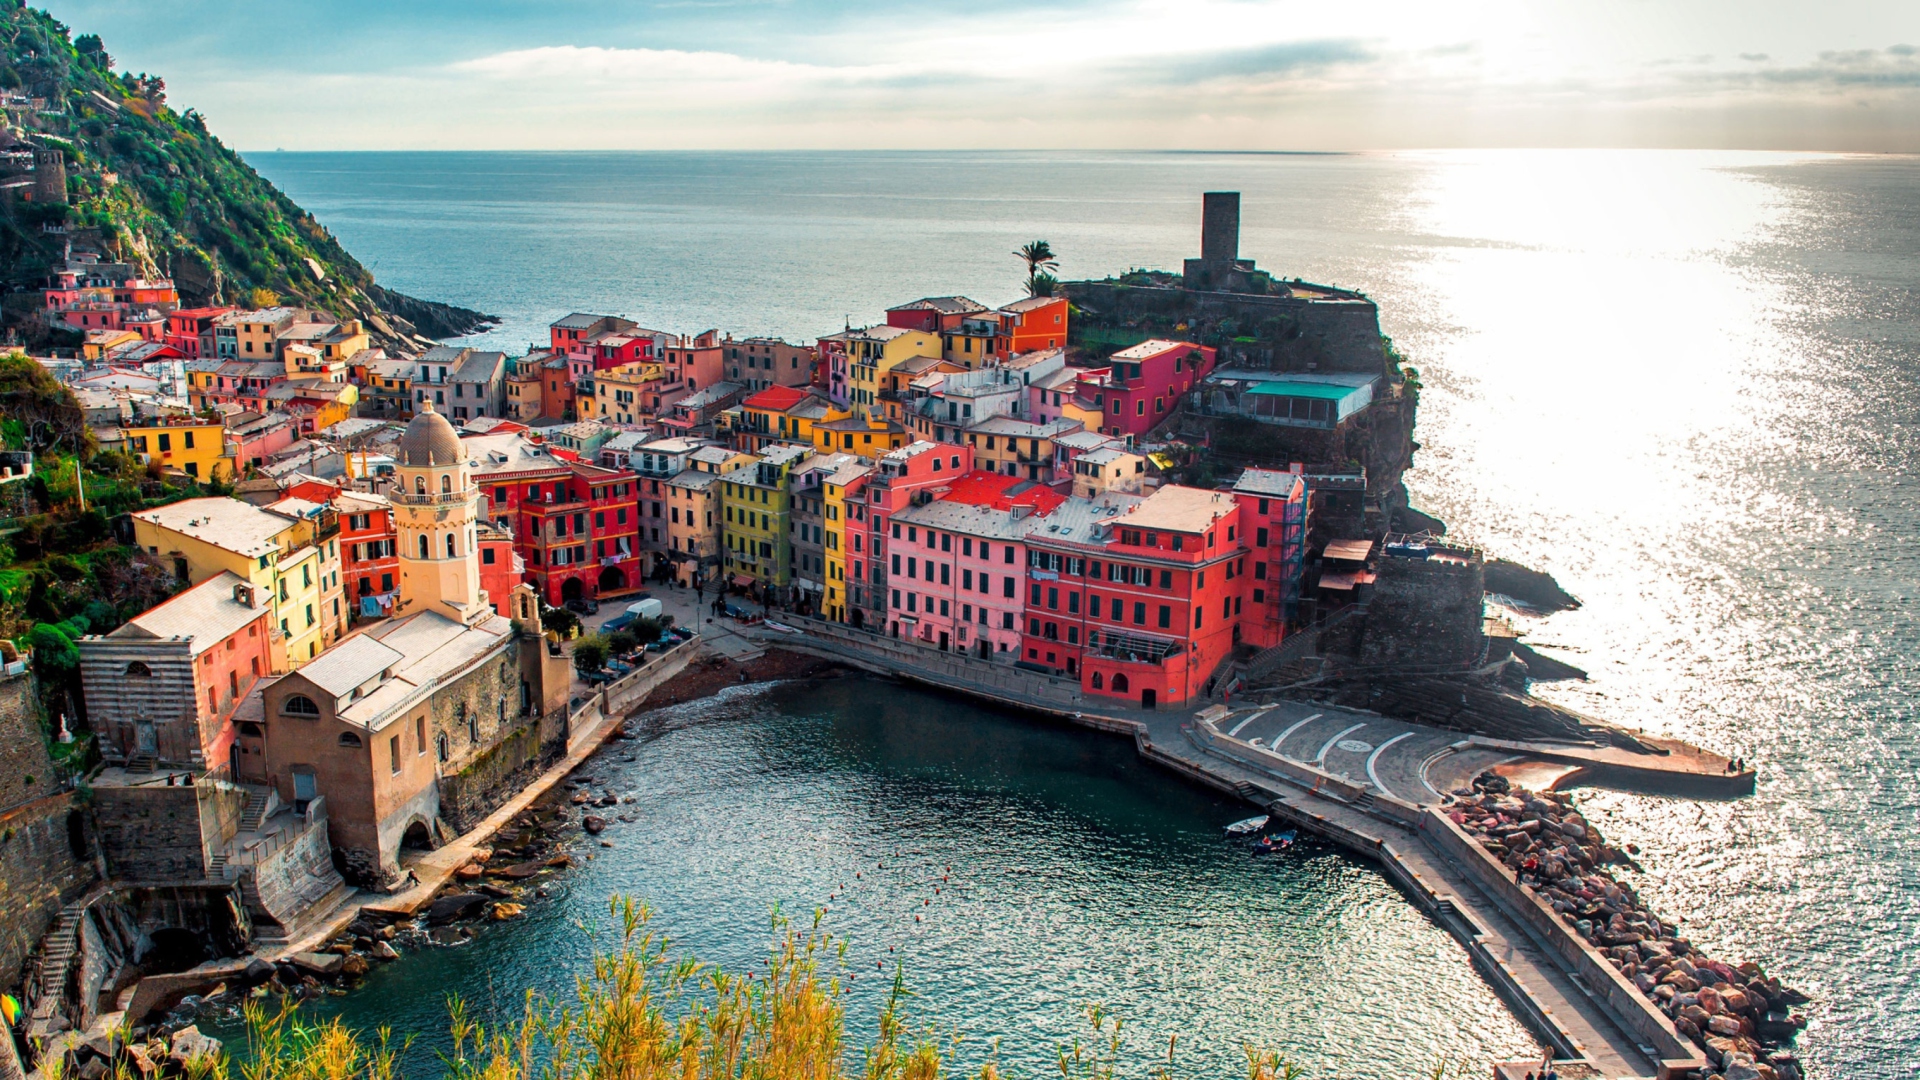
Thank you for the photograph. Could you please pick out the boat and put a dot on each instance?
(1267, 845)
(1248, 827)
(1284, 839)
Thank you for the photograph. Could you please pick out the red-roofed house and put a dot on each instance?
(962, 557)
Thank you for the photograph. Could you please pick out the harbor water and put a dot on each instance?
(1686, 384)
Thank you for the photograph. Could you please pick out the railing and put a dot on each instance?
(444, 498)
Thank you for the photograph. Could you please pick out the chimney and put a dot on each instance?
(243, 593)
(1220, 226)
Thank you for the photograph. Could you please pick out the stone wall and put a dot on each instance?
(46, 849)
(1341, 334)
(516, 739)
(152, 833)
(288, 882)
(1425, 613)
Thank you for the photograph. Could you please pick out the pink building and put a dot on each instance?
(965, 557)
(1143, 385)
(256, 437)
(898, 479)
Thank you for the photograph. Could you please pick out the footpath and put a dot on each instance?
(1380, 804)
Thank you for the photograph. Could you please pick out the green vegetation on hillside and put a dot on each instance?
(152, 187)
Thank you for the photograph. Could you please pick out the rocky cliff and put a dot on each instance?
(150, 186)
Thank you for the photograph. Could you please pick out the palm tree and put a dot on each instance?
(1042, 284)
(1038, 256)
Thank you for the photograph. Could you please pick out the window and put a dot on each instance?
(139, 670)
(1139, 614)
(420, 734)
(393, 753)
(1166, 616)
(424, 552)
(446, 485)
(442, 745)
(299, 705)
(450, 546)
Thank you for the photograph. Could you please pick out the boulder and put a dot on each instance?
(318, 963)
(594, 824)
(141, 1062)
(93, 1069)
(495, 891)
(521, 871)
(470, 872)
(383, 951)
(188, 1044)
(456, 906)
(355, 966)
(580, 798)
(503, 911)
(446, 935)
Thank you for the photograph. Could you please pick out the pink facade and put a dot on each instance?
(964, 559)
(897, 478)
(1143, 385)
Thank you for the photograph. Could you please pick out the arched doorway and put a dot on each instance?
(173, 950)
(1119, 682)
(612, 580)
(417, 837)
(570, 589)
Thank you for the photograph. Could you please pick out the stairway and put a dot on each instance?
(56, 956)
(217, 867)
(256, 811)
(1298, 645)
(143, 763)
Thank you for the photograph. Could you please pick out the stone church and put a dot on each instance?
(415, 729)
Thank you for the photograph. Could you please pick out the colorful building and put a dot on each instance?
(871, 353)
(756, 514)
(1140, 599)
(1144, 384)
(757, 363)
(965, 562)
(1273, 520)
(695, 534)
(899, 477)
(783, 414)
(575, 524)
(193, 446)
(844, 513)
(289, 558)
(369, 556)
(164, 687)
(868, 438)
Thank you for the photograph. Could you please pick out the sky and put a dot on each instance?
(1840, 75)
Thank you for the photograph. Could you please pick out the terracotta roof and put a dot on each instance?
(777, 398)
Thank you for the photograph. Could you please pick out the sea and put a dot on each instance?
(1687, 384)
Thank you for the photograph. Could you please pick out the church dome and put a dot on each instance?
(429, 441)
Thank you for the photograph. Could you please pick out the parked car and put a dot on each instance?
(581, 606)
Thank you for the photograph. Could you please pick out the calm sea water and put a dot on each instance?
(1686, 384)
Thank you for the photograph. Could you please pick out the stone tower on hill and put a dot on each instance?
(435, 511)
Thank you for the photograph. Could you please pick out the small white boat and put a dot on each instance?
(1250, 825)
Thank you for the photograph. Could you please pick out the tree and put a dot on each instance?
(262, 298)
(590, 655)
(1042, 284)
(1038, 255)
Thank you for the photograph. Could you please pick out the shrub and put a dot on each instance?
(590, 655)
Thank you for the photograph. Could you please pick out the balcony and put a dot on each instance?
(444, 498)
(1135, 648)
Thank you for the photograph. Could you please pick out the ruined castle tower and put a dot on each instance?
(49, 177)
(1219, 265)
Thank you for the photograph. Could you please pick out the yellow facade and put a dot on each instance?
(294, 566)
(873, 352)
(773, 425)
(199, 450)
(836, 491)
(869, 438)
(618, 392)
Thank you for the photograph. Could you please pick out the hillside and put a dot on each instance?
(151, 186)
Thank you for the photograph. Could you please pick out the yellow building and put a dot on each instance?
(868, 438)
(757, 510)
(873, 352)
(619, 391)
(195, 447)
(717, 459)
(98, 342)
(694, 531)
(838, 491)
(291, 558)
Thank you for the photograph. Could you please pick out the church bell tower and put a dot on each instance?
(435, 511)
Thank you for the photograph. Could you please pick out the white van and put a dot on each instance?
(645, 609)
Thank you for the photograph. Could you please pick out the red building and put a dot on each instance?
(934, 314)
(191, 330)
(1038, 322)
(1273, 524)
(1141, 599)
(698, 361)
(1143, 385)
(369, 560)
(500, 567)
(575, 526)
(899, 477)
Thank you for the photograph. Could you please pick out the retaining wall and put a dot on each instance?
(1314, 779)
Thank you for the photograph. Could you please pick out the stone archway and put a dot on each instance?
(571, 589)
(417, 837)
(612, 579)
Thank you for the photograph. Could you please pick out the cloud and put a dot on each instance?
(1263, 62)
